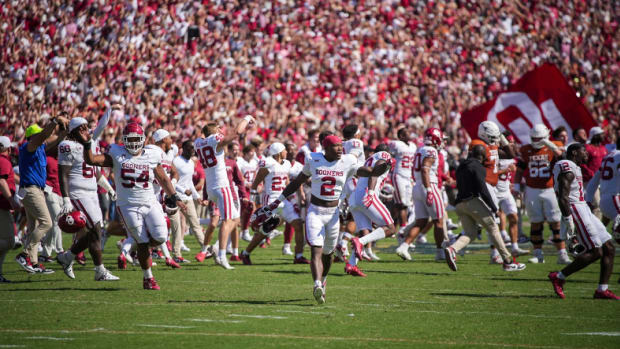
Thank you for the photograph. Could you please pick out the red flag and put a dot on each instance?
(540, 96)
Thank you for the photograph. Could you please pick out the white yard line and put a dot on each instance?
(304, 312)
(609, 334)
(51, 338)
(12, 346)
(212, 320)
(299, 337)
(164, 326)
(260, 316)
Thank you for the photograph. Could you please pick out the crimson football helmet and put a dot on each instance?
(72, 222)
(433, 137)
(264, 220)
(133, 138)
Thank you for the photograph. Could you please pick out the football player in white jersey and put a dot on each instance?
(248, 167)
(328, 173)
(164, 143)
(78, 185)
(352, 144)
(135, 169)
(427, 197)
(508, 205)
(274, 171)
(402, 176)
(298, 199)
(590, 232)
(313, 145)
(211, 150)
(368, 210)
(608, 176)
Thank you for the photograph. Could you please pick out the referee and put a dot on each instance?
(475, 207)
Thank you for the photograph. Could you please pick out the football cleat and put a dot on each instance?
(537, 260)
(450, 258)
(373, 256)
(245, 258)
(234, 258)
(286, 250)
(40, 269)
(353, 270)
(121, 262)
(301, 260)
(358, 248)
(319, 294)
(223, 263)
(513, 266)
(24, 262)
(200, 257)
(66, 263)
(105, 276)
(181, 260)
(607, 294)
(516, 252)
(150, 284)
(497, 259)
(421, 239)
(403, 253)
(338, 254)
(564, 259)
(558, 284)
(80, 258)
(171, 263)
(366, 256)
(439, 255)
(245, 235)
(184, 248)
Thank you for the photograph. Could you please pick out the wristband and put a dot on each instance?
(87, 145)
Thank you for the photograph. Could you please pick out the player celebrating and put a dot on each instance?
(426, 195)
(135, 169)
(248, 167)
(211, 151)
(78, 185)
(609, 178)
(508, 205)
(540, 200)
(274, 172)
(591, 233)
(368, 210)
(402, 176)
(328, 173)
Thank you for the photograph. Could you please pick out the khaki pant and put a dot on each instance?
(473, 213)
(7, 234)
(53, 238)
(38, 220)
(194, 226)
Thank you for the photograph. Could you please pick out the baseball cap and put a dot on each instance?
(5, 142)
(595, 131)
(33, 130)
(76, 122)
(159, 135)
(276, 148)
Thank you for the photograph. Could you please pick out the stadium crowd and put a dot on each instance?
(170, 91)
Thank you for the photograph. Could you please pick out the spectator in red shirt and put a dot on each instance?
(596, 152)
(7, 188)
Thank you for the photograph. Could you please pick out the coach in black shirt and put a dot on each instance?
(475, 207)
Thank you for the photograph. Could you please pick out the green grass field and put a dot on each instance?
(417, 304)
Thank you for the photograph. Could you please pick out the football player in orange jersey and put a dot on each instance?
(497, 147)
(541, 203)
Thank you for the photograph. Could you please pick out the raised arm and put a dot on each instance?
(239, 130)
(101, 160)
(38, 139)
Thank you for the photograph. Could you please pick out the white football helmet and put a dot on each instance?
(538, 134)
(489, 132)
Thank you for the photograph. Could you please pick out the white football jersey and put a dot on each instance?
(277, 178)
(355, 147)
(213, 162)
(185, 168)
(166, 164)
(133, 175)
(503, 184)
(248, 169)
(610, 173)
(296, 169)
(328, 178)
(82, 179)
(423, 153)
(576, 187)
(403, 154)
(362, 182)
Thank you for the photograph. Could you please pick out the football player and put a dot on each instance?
(248, 167)
(590, 232)
(135, 168)
(540, 200)
(402, 176)
(608, 176)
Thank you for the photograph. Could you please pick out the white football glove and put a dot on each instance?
(67, 206)
(567, 228)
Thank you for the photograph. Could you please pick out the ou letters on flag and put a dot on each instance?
(540, 96)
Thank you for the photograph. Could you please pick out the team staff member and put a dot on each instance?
(474, 205)
(32, 171)
(7, 189)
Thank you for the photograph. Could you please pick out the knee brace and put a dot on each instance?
(536, 236)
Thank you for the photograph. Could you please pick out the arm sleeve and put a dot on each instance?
(101, 125)
(592, 185)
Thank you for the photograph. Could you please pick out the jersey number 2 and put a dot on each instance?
(327, 188)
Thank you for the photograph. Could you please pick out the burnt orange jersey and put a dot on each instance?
(492, 162)
(537, 165)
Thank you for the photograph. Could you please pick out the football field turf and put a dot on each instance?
(417, 304)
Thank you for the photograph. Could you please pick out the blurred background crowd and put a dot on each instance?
(296, 65)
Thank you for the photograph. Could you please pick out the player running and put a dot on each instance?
(78, 185)
(590, 233)
(540, 200)
(135, 170)
(402, 175)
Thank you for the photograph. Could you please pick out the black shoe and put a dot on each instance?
(40, 269)
(3, 279)
(24, 262)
